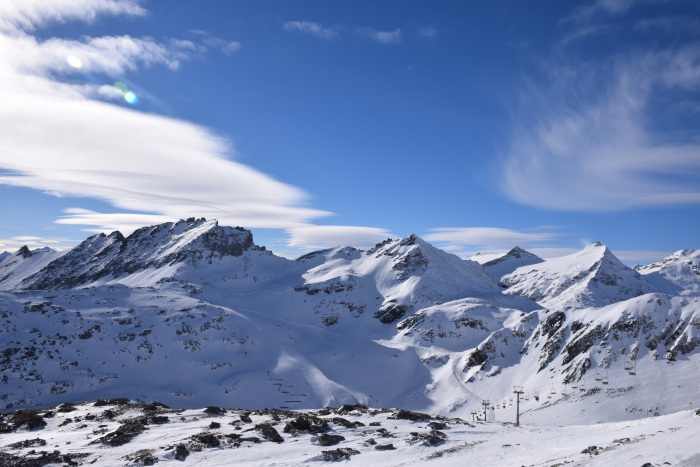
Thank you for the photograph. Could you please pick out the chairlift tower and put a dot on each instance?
(517, 390)
(486, 404)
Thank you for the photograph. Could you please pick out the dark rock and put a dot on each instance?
(390, 312)
(432, 438)
(144, 456)
(413, 416)
(326, 439)
(269, 432)
(307, 424)
(181, 452)
(245, 418)
(29, 419)
(346, 423)
(347, 408)
(252, 439)
(375, 424)
(213, 410)
(384, 447)
(590, 450)
(122, 435)
(64, 408)
(156, 407)
(437, 425)
(28, 443)
(214, 425)
(207, 439)
(44, 458)
(337, 454)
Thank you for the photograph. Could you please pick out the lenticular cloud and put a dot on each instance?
(57, 136)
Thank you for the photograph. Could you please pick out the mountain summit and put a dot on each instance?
(157, 251)
(593, 277)
(498, 265)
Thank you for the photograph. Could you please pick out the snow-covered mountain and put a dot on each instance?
(593, 277)
(15, 268)
(193, 314)
(678, 273)
(146, 256)
(498, 265)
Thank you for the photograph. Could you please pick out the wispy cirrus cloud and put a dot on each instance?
(227, 47)
(467, 241)
(608, 133)
(315, 29)
(311, 28)
(587, 11)
(428, 32)
(57, 137)
(327, 236)
(382, 37)
(26, 15)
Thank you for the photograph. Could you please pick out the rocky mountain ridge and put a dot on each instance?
(191, 314)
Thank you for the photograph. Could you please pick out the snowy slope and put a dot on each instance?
(498, 265)
(193, 314)
(116, 432)
(678, 273)
(15, 268)
(591, 277)
(408, 274)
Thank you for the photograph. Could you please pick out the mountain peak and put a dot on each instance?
(172, 243)
(24, 252)
(592, 277)
(676, 273)
(498, 265)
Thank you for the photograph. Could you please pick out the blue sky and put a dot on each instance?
(476, 125)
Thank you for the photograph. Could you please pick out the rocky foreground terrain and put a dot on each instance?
(120, 432)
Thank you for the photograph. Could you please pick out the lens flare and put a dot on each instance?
(74, 61)
(130, 97)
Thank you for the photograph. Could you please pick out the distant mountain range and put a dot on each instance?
(194, 314)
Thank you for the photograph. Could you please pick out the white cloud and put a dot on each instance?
(586, 141)
(428, 32)
(30, 14)
(640, 256)
(468, 241)
(312, 28)
(227, 47)
(585, 12)
(383, 37)
(491, 236)
(112, 55)
(56, 138)
(327, 236)
(13, 244)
